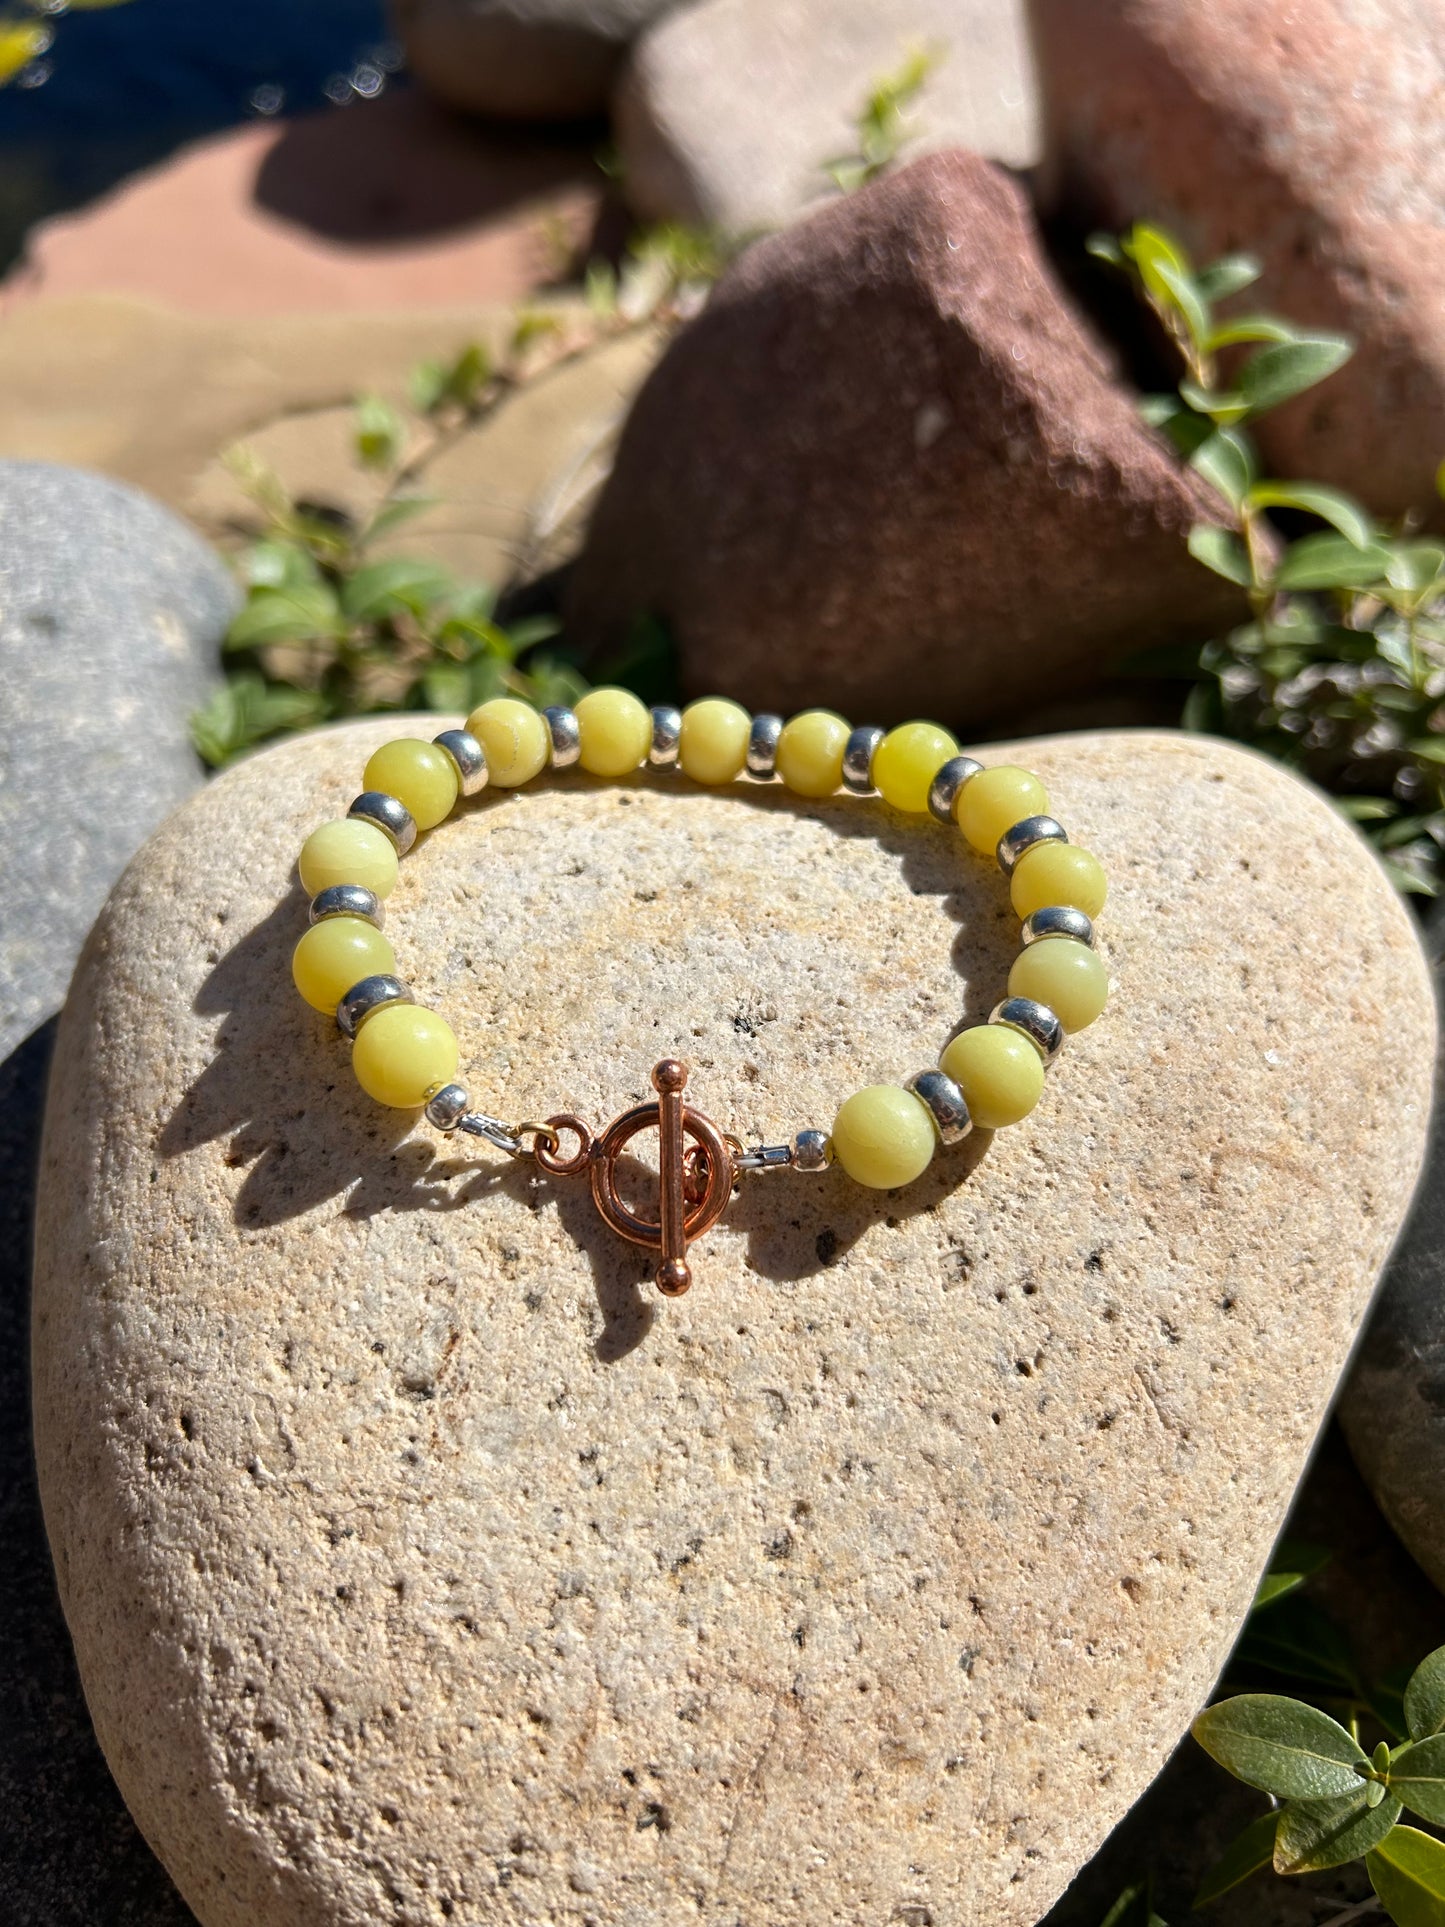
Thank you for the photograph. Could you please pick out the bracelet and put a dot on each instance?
(988, 1075)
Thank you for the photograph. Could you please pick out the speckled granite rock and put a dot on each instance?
(421, 1565)
(111, 618)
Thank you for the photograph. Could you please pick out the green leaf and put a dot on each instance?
(1407, 1871)
(244, 710)
(1415, 566)
(1301, 1643)
(1220, 550)
(1327, 561)
(1226, 460)
(1221, 406)
(293, 614)
(1134, 1908)
(426, 385)
(1330, 504)
(397, 582)
(530, 630)
(1425, 1694)
(380, 433)
(19, 45)
(1316, 1834)
(1291, 1564)
(1366, 809)
(1286, 369)
(1417, 1775)
(391, 515)
(1246, 1854)
(276, 564)
(1281, 1746)
(1230, 274)
(1248, 327)
(1105, 247)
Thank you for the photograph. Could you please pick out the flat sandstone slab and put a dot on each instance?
(423, 1566)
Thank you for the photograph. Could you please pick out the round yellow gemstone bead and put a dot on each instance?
(1067, 976)
(883, 1136)
(809, 756)
(906, 762)
(996, 799)
(348, 851)
(616, 731)
(336, 954)
(515, 737)
(420, 776)
(1058, 873)
(400, 1052)
(999, 1072)
(714, 743)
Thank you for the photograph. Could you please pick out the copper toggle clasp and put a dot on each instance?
(697, 1179)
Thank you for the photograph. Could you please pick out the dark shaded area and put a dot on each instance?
(127, 85)
(70, 1854)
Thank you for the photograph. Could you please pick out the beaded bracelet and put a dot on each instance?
(987, 1075)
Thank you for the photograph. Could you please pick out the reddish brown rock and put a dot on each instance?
(889, 469)
(1311, 137)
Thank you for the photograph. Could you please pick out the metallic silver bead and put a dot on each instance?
(858, 754)
(943, 790)
(1023, 836)
(446, 1106)
(763, 746)
(946, 1103)
(765, 1157)
(346, 900)
(363, 1000)
(1059, 921)
(1034, 1021)
(468, 756)
(375, 806)
(812, 1151)
(666, 735)
(566, 735)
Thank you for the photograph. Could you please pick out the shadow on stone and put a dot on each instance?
(71, 1854)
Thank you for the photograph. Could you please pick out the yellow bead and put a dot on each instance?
(336, 954)
(906, 762)
(616, 731)
(883, 1136)
(515, 738)
(1058, 873)
(714, 742)
(996, 799)
(420, 776)
(400, 1052)
(1067, 976)
(810, 752)
(348, 851)
(999, 1072)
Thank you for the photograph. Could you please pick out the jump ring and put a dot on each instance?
(548, 1138)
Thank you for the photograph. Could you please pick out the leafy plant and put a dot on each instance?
(881, 124)
(26, 35)
(1340, 670)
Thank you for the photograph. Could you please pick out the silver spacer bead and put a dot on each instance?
(666, 735)
(812, 1151)
(765, 1157)
(858, 754)
(763, 746)
(946, 1104)
(468, 757)
(346, 900)
(363, 1000)
(943, 790)
(446, 1106)
(1034, 1021)
(1058, 921)
(375, 806)
(1023, 836)
(566, 735)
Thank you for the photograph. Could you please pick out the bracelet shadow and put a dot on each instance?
(334, 1143)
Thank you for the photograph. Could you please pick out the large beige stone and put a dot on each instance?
(422, 1566)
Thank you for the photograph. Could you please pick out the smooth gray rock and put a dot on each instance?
(728, 113)
(1393, 1408)
(111, 615)
(521, 59)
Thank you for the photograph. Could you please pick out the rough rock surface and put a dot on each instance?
(111, 616)
(727, 113)
(1309, 136)
(521, 59)
(888, 468)
(422, 1565)
(1393, 1409)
